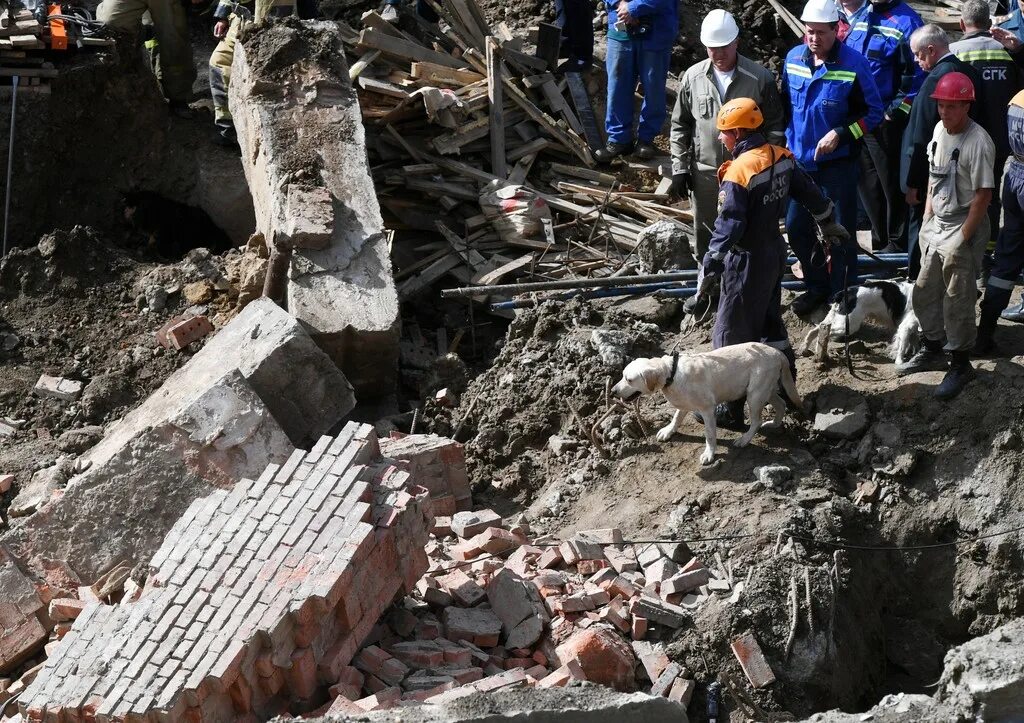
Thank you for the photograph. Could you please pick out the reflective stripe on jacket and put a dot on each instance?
(883, 37)
(840, 95)
(755, 192)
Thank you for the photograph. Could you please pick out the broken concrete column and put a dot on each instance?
(254, 598)
(302, 140)
(255, 391)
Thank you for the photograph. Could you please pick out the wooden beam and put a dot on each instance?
(432, 73)
(360, 65)
(499, 167)
(451, 142)
(549, 39)
(403, 49)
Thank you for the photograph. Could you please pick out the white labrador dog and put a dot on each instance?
(699, 382)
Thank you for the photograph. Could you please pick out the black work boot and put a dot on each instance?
(728, 415)
(929, 358)
(645, 151)
(611, 151)
(960, 372)
(807, 302)
(994, 302)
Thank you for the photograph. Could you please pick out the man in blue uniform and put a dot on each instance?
(640, 36)
(747, 251)
(833, 102)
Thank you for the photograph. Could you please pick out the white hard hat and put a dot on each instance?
(820, 11)
(718, 29)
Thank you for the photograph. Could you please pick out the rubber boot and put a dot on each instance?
(991, 306)
(730, 415)
(929, 358)
(959, 374)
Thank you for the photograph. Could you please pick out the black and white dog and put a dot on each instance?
(888, 302)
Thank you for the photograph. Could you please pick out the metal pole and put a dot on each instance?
(607, 282)
(10, 160)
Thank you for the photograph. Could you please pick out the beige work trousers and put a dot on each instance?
(220, 72)
(945, 293)
(704, 206)
(174, 68)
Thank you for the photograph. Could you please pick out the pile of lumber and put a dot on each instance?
(458, 107)
(20, 35)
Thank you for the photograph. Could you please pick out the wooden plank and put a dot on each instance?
(449, 143)
(557, 103)
(373, 85)
(29, 72)
(525, 62)
(476, 34)
(474, 259)
(532, 148)
(371, 19)
(605, 179)
(440, 188)
(585, 112)
(492, 277)
(395, 136)
(522, 169)
(549, 39)
(403, 49)
(428, 276)
(566, 137)
(499, 166)
(432, 73)
(360, 65)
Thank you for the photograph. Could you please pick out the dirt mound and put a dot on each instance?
(78, 307)
(550, 376)
(877, 462)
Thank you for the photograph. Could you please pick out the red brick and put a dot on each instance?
(302, 674)
(187, 331)
(589, 567)
(604, 657)
(639, 628)
(682, 691)
(462, 588)
(551, 557)
(65, 608)
(379, 701)
(495, 541)
(752, 660)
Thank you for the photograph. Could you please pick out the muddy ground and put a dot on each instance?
(883, 619)
(80, 303)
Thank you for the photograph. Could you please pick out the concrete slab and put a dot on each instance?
(258, 388)
(298, 122)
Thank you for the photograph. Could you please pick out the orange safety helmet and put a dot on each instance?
(953, 86)
(740, 113)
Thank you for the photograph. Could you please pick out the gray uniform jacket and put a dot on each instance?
(694, 136)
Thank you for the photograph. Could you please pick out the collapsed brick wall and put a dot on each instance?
(257, 597)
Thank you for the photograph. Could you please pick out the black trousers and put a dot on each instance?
(879, 185)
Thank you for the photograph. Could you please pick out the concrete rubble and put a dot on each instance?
(256, 597)
(302, 140)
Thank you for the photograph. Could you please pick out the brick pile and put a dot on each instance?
(257, 600)
(497, 610)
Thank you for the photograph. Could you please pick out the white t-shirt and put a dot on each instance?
(722, 80)
(973, 169)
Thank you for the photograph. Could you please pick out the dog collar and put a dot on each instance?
(672, 373)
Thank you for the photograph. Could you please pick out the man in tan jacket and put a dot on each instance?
(703, 89)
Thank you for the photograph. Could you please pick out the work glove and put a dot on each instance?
(711, 270)
(682, 184)
(833, 232)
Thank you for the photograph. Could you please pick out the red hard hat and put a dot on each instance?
(953, 86)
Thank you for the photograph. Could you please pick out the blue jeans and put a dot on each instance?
(626, 63)
(838, 181)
